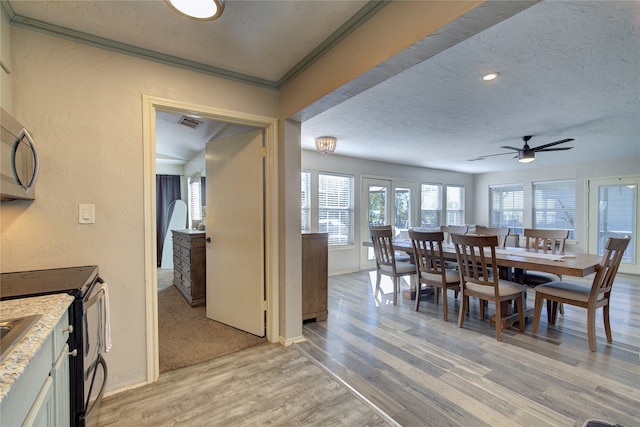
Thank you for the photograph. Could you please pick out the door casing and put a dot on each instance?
(150, 105)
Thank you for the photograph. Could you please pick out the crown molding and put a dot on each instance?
(363, 15)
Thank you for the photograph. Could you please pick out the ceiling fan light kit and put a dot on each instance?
(526, 156)
(326, 144)
(200, 10)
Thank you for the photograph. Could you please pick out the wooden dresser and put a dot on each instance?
(315, 252)
(189, 265)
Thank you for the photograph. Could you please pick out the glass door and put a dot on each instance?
(387, 202)
(613, 212)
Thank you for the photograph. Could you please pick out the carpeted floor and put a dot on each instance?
(186, 337)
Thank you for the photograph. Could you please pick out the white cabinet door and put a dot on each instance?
(61, 390)
(42, 412)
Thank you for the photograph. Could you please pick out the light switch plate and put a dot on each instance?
(86, 214)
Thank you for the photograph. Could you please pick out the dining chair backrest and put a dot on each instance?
(500, 232)
(607, 269)
(546, 240)
(427, 251)
(453, 229)
(382, 239)
(476, 259)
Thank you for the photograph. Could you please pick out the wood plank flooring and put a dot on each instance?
(372, 363)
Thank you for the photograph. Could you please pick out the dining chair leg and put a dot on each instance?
(463, 310)
(591, 327)
(396, 288)
(498, 319)
(537, 311)
(607, 325)
(418, 293)
(520, 306)
(444, 303)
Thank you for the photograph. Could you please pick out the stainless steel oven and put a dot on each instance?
(88, 315)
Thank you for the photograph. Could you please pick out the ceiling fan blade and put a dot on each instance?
(555, 149)
(551, 144)
(511, 148)
(488, 155)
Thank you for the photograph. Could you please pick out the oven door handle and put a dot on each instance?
(100, 361)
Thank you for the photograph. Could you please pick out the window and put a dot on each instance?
(554, 205)
(455, 205)
(305, 201)
(431, 205)
(506, 207)
(335, 208)
(195, 200)
(402, 208)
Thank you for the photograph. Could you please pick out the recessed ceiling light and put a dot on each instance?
(202, 10)
(490, 76)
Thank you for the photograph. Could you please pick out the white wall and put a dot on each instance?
(84, 108)
(347, 259)
(581, 172)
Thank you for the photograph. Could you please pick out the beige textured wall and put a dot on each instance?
(84, 108)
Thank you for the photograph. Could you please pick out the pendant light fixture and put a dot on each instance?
(326, 144)
(200, 10)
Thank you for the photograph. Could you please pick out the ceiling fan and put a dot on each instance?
(527, 154)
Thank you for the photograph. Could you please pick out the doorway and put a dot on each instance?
(151, 106)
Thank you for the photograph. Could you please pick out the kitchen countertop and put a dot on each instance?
(52, 308)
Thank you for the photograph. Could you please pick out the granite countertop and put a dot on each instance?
(52, 308)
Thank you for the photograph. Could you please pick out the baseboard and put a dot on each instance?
(294, 340)
(125, 388)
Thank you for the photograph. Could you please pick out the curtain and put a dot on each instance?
(167, 190)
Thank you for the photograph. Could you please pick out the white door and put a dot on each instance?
(235, 227)
(613, 212)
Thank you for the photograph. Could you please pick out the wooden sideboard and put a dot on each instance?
(189, 265)
(315, 253)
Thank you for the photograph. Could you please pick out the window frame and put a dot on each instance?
(460, 211)
(569, 212)
(502, 189)
(344, 231)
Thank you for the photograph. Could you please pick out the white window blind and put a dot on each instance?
(305, 201)
(195, 200)
(455, 205)
(430, 205)
(335, 208)
(554, 205)
(506, 207)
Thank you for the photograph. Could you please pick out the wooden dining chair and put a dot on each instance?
(382, 239)
(448, 230)
(501, 232)
(545, 241)
(430, 266)
(476, 256)
(590, 297)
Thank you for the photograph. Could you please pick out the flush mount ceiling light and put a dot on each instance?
(490, 76)
(201, 10)
(326, 144)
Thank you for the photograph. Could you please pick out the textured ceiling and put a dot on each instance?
(569, 69)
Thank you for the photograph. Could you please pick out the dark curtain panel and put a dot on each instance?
(167, 190)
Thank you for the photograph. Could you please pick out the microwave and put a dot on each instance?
(18, 160)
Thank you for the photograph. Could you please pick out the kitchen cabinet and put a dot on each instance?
(189, 265)
(41, 395)
(315, 252)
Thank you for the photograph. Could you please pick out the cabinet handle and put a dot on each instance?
(73, 353)
(68, 329)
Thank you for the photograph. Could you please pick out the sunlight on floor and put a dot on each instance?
(385, 296)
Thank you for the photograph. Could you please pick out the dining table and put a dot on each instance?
(514, 261)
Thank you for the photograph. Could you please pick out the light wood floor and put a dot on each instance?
(372, 363)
